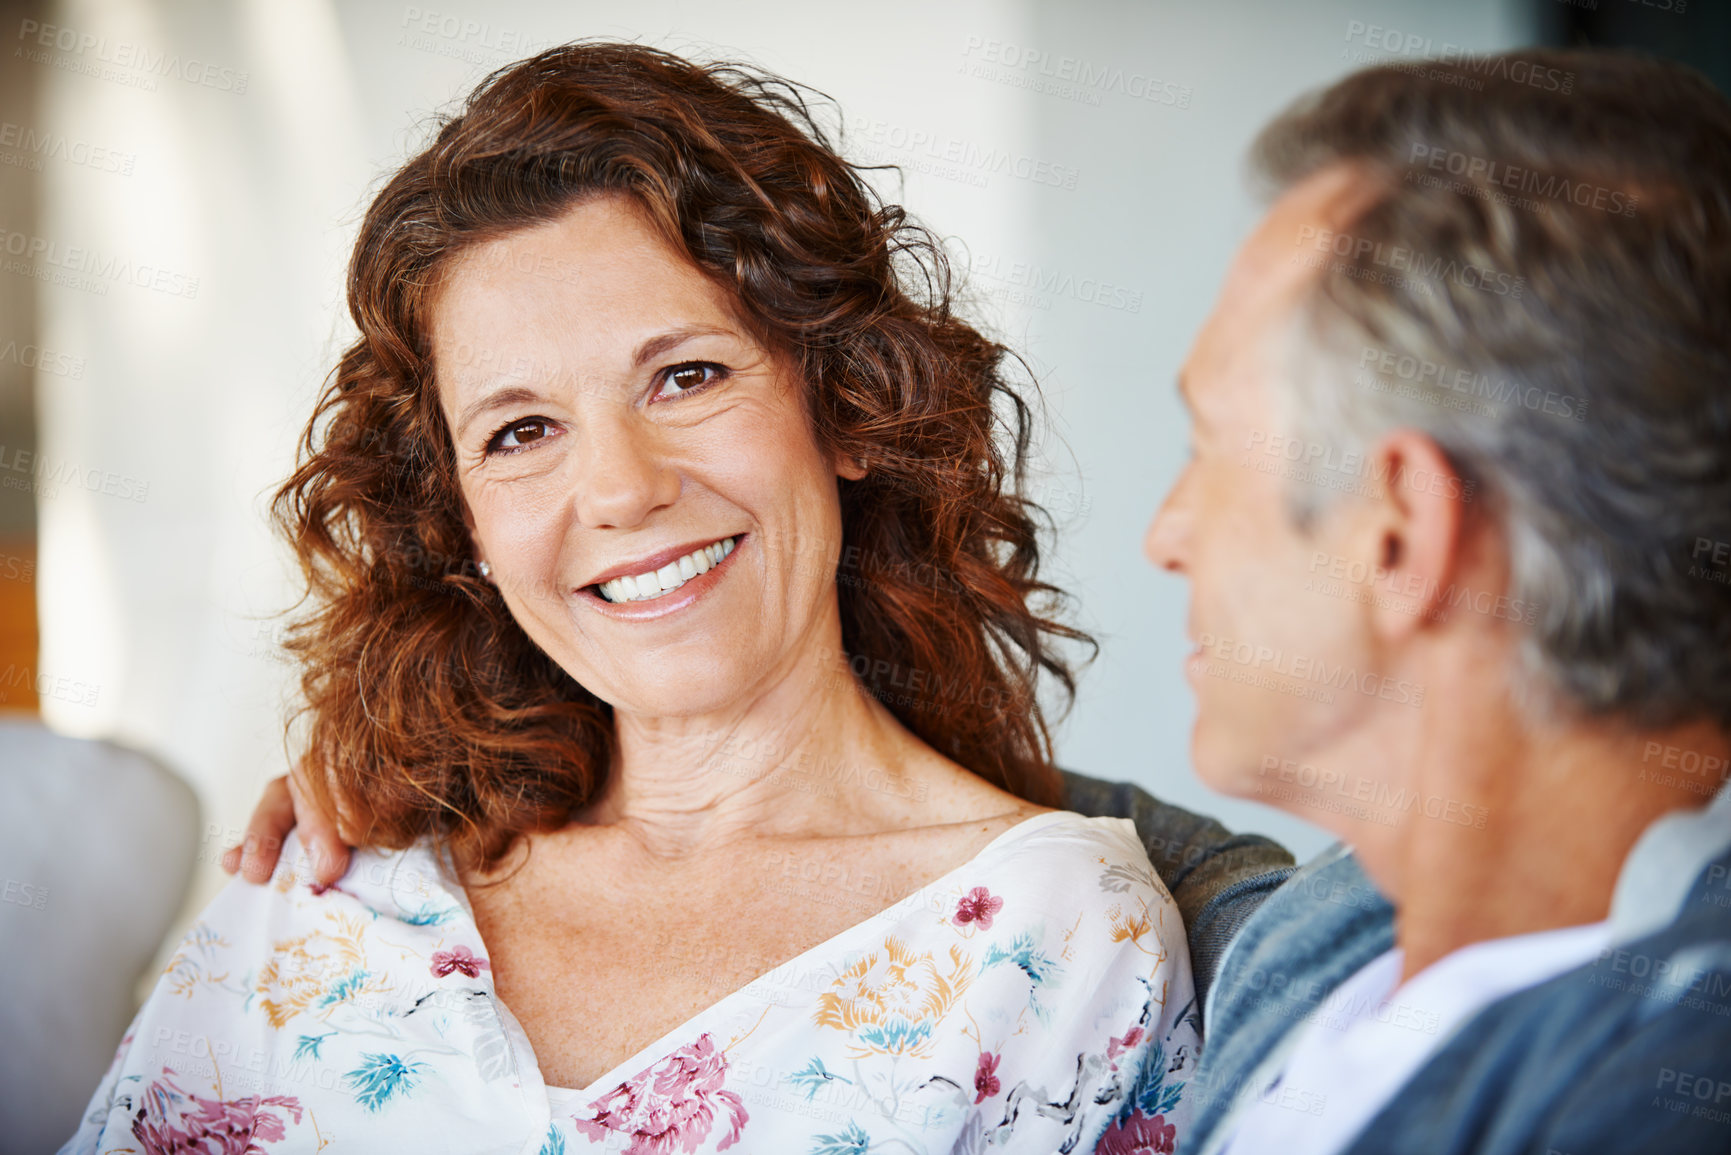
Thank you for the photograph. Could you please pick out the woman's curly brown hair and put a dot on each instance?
(429, 710)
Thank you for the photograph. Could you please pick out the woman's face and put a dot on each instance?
(640, 473)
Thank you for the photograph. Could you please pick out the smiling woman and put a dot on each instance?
(651, 859)
(741, 260)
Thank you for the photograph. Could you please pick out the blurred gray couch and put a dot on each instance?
(97, 846)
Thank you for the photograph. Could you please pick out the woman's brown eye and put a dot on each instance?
(684, 379)
(519, 435)
(689, 377)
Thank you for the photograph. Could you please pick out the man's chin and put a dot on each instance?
(1222, 765)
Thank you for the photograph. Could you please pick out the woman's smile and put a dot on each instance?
(662, 583)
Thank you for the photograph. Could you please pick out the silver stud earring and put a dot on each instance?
(486, 570)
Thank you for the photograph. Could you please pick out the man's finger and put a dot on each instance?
(319, 833)
(271, 821)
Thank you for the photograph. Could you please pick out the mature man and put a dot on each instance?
(1456, 523)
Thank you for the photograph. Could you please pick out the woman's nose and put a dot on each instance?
(623, 475)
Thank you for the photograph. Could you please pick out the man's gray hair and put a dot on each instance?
(1543, 286)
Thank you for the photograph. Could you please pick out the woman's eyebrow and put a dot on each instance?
(672, 339)
(497, 399)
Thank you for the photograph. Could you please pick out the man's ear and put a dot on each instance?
(1415, 529)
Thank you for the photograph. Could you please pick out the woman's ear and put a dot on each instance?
(850, 468)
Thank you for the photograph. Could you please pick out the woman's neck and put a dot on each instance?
(772, 763)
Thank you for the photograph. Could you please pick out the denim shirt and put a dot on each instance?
(1631, 1052)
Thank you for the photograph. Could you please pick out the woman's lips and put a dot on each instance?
(683, 594)
(659, 581)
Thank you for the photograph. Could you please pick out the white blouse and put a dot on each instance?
(1037, 998)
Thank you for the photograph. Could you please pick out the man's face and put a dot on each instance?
(1269, 650)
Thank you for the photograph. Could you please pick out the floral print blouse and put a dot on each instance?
(1035, 999)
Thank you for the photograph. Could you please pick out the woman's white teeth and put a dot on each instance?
(641, 587)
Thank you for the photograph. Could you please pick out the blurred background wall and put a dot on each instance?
(180, 183)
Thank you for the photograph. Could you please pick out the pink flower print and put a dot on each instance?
(170, 1121)
(670, 1106)
(1138, 1135)
(979, 906)
(460, 958)
(985, 1077)
(1116, 1046)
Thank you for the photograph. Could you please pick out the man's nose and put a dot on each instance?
(1167, 541)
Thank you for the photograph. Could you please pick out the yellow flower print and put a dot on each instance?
(194, 962)
(1131, 927)
(1141, 923)
(890, 1002)
(315, 971)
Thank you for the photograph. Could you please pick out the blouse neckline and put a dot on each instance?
(647, 1054)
